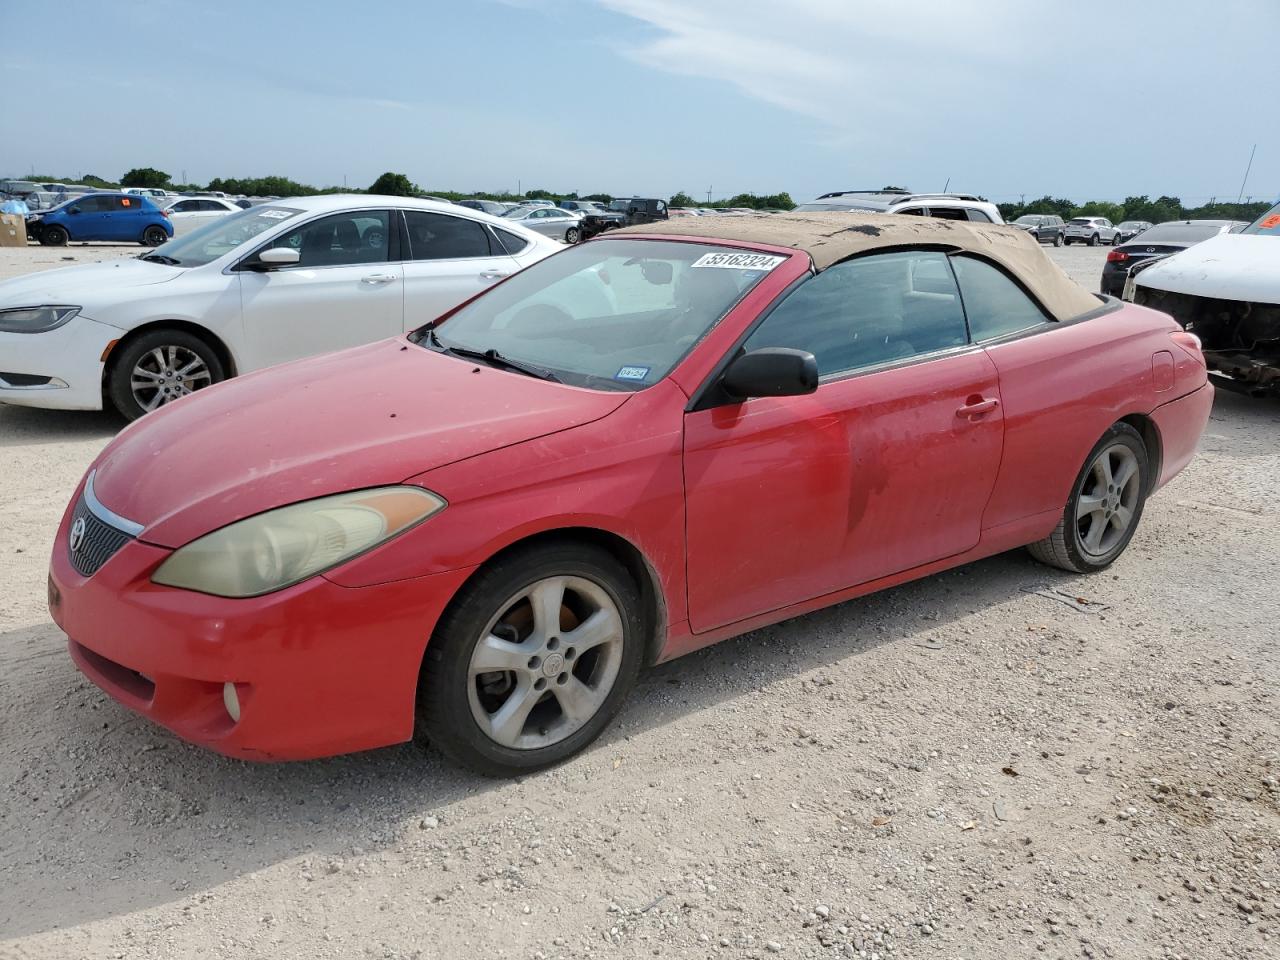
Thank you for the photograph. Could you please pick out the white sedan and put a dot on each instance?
(188, 213)
(261, 286)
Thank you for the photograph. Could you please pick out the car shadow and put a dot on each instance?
(31, 427)
(176, 820)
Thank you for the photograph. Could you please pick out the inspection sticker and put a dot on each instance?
(631, 373)
(739, 261)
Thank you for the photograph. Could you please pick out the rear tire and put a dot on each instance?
(1104, 508)
(153, 236)
(572, 235)
(514, 718)
(1093, 241)
(159, 367)
(54, 236)
(1058, 240)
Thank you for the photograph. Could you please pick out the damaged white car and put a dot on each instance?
(1226, 291)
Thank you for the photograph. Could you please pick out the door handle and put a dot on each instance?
(977, 407)
(493, 274)
(378, 278)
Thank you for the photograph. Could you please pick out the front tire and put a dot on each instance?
(1104, 508)
(54, 236)
(159, 367)
(532, 659)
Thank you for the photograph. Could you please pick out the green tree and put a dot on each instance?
(1100, 208)
(681, 199)
(145, 177)
(393, 185)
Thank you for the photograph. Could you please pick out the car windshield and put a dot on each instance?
(1179, 233)
(1268, 223)
(220, 236)
(518, 213)
(612, 314)
(1130, 225)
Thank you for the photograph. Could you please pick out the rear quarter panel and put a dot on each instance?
(1062, 389)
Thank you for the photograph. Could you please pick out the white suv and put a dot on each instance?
(946, 206)
(1091, 230)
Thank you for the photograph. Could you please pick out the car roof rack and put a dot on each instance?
(841, 193)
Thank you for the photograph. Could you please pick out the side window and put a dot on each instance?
(510, 242)
(130, 204)
(948, 213)
(438, 236)
(995, 305)
(186, 206)
(912, 211)
(359, 236)
(868, 311)
(978, 216)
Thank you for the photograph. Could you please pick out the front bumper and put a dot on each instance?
(71, 355)
(319, 669)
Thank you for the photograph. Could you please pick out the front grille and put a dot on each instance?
(98, 543)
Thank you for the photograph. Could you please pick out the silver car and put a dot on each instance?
(549, 221)
(1091, 230)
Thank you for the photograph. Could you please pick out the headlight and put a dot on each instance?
(282, 547)
(35, 319)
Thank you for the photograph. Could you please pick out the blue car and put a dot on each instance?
(122, 217)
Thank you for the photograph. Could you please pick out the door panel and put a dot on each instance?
(794, 497)
(448, 260)
(342, 294)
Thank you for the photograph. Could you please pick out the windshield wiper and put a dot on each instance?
(492, 357)
(161, 258)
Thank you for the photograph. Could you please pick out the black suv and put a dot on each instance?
(1045, 227)
(624, 213)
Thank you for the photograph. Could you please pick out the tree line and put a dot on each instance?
(1159, 210)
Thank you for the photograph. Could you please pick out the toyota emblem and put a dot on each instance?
(77, 535)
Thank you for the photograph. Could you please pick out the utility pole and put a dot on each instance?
(1246, 172)
(708, 194)
(184, 176)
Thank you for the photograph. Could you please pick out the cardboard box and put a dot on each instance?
(13, 230)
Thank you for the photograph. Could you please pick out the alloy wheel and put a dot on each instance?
(1108, 499)
(545, 663)
(164, 374)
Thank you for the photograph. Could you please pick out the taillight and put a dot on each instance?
(165, 214)
(1116, 256)
(1189, 342)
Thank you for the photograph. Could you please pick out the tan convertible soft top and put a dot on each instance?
(831, 237)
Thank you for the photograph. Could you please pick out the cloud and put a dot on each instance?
(845, 63)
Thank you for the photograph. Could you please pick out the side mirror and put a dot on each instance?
(276, 257)
(74, 210)
(771, 372)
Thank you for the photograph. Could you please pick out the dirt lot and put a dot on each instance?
(971, 766)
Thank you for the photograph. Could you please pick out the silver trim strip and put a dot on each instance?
(108, 517)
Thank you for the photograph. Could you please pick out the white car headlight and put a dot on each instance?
(35, 319)
(282, 547)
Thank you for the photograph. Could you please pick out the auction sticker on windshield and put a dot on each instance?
(739, 261)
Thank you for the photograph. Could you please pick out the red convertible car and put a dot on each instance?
(483, 531)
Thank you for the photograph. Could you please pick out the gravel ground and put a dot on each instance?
(972, 766)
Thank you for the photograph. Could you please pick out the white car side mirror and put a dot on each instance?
(279, 257)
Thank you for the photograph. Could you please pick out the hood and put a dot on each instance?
(377, 414)
(71, 285)
(1230, 266)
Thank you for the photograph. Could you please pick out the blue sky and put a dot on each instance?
(1086, 99)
